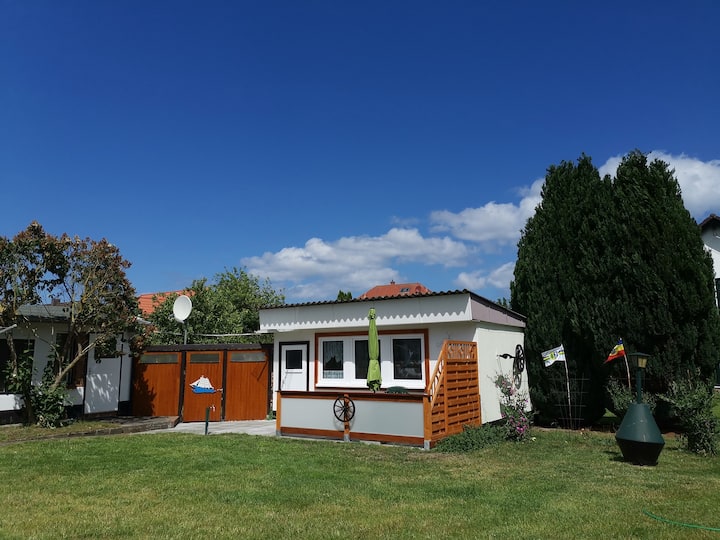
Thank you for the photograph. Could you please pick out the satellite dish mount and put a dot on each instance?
(181, 311)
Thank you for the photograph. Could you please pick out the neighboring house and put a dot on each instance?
(95, 386)
(710, 233)
(148, 302)
(440, 354)
(395, 289)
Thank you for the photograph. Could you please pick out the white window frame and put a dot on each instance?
(386, 362)
(284, 349)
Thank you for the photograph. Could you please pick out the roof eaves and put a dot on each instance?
(477, 297)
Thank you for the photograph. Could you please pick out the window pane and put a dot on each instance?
(362, 358)
(76, 376)
(293, 359)
(237, 356)
(333, 359)
(407, 359)
(204, 358)
(162, 358)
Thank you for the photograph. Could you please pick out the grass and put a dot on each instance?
(561, 485)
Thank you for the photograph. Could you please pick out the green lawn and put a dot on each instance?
(561, 485)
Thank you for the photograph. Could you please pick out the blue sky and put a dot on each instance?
(331, 145)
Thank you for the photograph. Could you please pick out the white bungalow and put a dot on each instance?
(95, 386)
(440, 354)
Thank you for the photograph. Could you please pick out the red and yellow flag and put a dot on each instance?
(617, 352)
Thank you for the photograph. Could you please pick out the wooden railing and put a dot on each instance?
(453, 391)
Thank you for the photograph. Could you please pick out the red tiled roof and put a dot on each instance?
(148, 302)
(395, 289)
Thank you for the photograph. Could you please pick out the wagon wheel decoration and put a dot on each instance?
(519, 362)
(344, 409)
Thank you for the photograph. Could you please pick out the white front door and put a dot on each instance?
(293, 370)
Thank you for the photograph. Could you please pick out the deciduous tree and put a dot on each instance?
(88, 278)
(31, 265)
(100, 301)
(222, 311)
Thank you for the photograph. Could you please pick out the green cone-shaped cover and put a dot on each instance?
(639, 437)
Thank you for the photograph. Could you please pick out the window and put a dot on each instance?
(407, 359)
(293, 358)
(205, 358)
(362, 358)
(76, 376)
(160, 358)
(236, 356)
(22, 347)
(343, 361)
(333, 360)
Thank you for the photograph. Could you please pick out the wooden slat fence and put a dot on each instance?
(453, 391)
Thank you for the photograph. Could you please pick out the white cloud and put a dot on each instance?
(493, 223)
(499, 278)
(610, 166)
(320, 269)
(699, 180)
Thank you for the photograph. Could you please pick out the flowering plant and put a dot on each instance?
(512, 408)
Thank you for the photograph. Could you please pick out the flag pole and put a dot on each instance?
(627, 367)
(567, 381)
(558, 355)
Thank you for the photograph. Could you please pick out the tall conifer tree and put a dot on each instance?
(608, 258)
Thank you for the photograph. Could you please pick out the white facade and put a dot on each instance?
(710, 232)
(107, 381)
(304, 333)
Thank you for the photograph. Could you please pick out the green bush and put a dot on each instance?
(49, 404)
(692, 402)
(621, 397)
(472, 438)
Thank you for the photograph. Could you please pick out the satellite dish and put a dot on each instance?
(182, 308)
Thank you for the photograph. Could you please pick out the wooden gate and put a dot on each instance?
(246, 385)
(240, 372)
(195, 406)
(156, 391)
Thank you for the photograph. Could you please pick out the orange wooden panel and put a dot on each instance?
(195, 405)
(156, 391)
(246, 391)
(456, 402)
